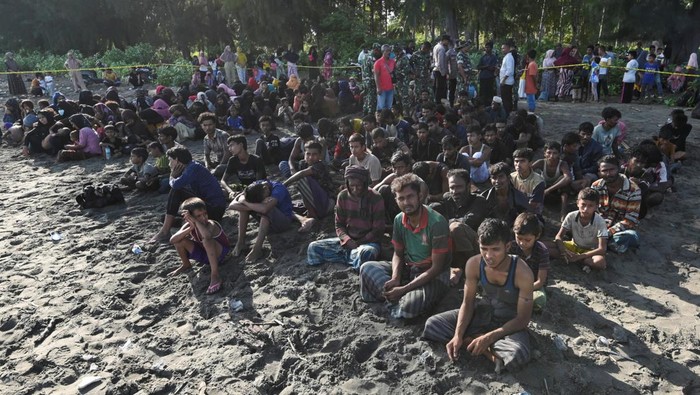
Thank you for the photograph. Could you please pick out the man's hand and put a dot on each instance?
(394, 294)
(391, 284)
(479, 345)
(176, 170)
(453, 348)
(187, 217)
(350, 244)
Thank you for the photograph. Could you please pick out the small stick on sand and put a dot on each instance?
(546, 387)
(46, 332)
(289, 339)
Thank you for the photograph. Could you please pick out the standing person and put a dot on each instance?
(328, 64)
(419, 274)
(496, 325)
(403, 79)
(73, 66)
(452, 73)
(605, 62)
(420, 62)
(292, 58)
(507, 76)
(464, 67)
(630, 77)
(383, 68)
(229, 58)
(313, 64)
(203, 64)
(14, 81)
(241, 64)
(487, 74)
(531, 80)
(549, 77)
(369, 104)
(359, 224)
(440, 68)
(568, 57)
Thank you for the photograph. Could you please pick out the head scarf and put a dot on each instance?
(159, 89)
(548, 58)
(693, 61)
(161, 107)
(357, 172)
(565, 59)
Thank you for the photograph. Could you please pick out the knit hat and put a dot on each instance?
(357, 172)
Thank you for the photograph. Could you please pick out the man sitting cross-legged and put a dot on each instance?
(359, 224)
(496, 325)
(419, 274)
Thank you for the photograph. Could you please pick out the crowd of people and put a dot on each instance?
(453, 182)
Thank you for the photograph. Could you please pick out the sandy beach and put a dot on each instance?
(84, 314)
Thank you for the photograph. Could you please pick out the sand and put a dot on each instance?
(85, 314)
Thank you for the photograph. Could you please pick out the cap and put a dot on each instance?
(497, 99)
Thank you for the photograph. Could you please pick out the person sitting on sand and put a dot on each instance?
(315, 185)
(608, 132)
(528, 229)
(418, 276)
(201, 239)
(528, 182)
(401, 163)
(359, 224)
(288, 167)
(435, 176)
(271, 202)
(423, 147)
(589, 234)
(142, 175)
(214, 142)
(465, 212)
(556, 174)
(383, 147)
(360, 157)
(242, 169)
(87, 145)
(589, 153)
(189, 178)
(620, 202)
(505, 202)
(496, 325)
(268, 147)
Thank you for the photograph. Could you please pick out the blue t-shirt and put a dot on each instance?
(202, 183)
(235, 122)
(650, 75)
(284, 200)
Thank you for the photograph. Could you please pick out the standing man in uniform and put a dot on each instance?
(440, 68)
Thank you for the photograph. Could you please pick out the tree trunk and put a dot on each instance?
(451, 22)
(686, 41)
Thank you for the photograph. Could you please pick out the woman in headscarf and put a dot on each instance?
(692, 67)
(202, 98)
(328, 64)
(568, 57)
(33, 139)
(161, 107)
(85, 145)
(14, 81)
(549, 77)
(229, 59)
(73, 66)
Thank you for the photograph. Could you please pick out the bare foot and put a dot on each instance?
(237, 250)
(307, 225)
(159, 238)
(253, 256)
(455, 275)
(179, 270)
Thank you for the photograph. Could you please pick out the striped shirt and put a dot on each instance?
(361, 220)
(620, 211)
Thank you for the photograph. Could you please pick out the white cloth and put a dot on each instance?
(586, 236)
(507, 69)
(630, 71)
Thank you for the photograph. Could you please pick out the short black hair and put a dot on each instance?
(586, 127)
(254, 193)
(610, 112)
(206, 116)
(570, 138)
(400, 156)
(140, 152)
(525, 153)
(421, 169)
(168, 131)
(589, 194)
(313, 145)
(459, 173)
(155, 145)
(499, 168)
(193, 204)
(493, 231)
(305, 131)
(609, 159)
(553, 145)
(238, 139)
(527, 224)
(181, 154)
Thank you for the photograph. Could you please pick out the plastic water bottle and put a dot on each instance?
(108, 153)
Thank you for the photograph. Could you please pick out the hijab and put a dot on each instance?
(162, 108)
(549, 59)
(566, 59)
(693, 61)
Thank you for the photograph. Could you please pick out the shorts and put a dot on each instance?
(279, 222)
(571, 246)
(199, 254)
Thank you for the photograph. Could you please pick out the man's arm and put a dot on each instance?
(263, 208)
(207, 154)
(524, 281)
(466, 310)
(386, 181)
(631, 218)
(377, 227)
(564, 181)
(294, 155)
(298, 176)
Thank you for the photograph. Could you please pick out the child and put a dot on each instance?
(424, 148)
(679, 129)
(478, 154)
(268, 147)
(556, 174)
(143, 176)
(161, 164)
(608, 132)
(234, 121)
(528, 229)
(200, 239)
(36, 88)
(589, 153)
(499, 151)
(112, 140)
(49, 85)
(649, 78)
(284, 111)
(589, 234)
(594, 77)
(527, 181)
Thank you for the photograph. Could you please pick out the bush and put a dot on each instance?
(175, 74)
(42, 61)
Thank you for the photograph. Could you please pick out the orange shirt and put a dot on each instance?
(531, 78)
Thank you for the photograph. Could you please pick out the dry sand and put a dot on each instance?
(86, 309)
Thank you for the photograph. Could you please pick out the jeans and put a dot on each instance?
(330, 251)
(531, 102)
(659, 87)
(385, 100)
(624, 240)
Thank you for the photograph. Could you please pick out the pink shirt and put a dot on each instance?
(90, 141)
(384, 69)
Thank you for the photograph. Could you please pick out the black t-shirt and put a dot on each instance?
(247, 173)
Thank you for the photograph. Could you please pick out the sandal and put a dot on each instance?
(214, 288)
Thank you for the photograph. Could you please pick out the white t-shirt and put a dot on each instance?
(603, 66)
(585, 236)
(508, 69)
(371, 163)
(630, 71)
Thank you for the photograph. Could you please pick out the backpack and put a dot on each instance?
(100, 195)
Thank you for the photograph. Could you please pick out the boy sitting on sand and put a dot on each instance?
(589, 233)
(201, 239)
(556, 174)
(528, 229)
(142, 176)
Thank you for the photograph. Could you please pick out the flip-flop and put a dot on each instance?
(214, 288)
